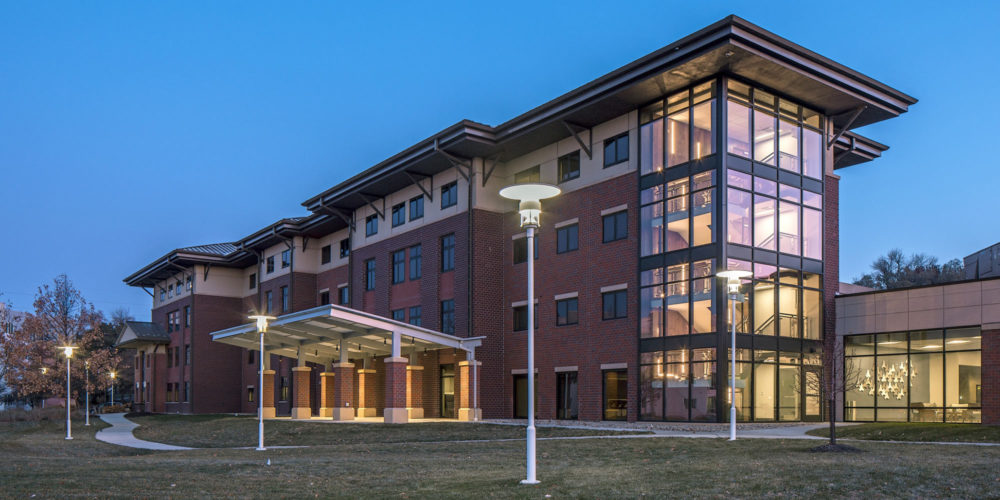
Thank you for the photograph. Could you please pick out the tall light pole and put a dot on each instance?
(733, 277)
(113, 388)
(68, 352)
(86, 387)
(261, 329)
(529, 207)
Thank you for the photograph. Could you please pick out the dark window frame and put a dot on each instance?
(398, 259)
(269, 264)
(371, 225)
(370, 274)
(401, 313)
(449, 195)
(619, 226)
(520, 250)
(565, 163)
(617, 142)
(345, 248)
(448, 253)
(568, 238)
(519, 325)
(344, 295)
(619, 304)
(285, 299)
(415, 314)
(286, 258)
(326, 254)
(565, 303)
(398, 214)
(416, 261)
(448, 316)
(417, 207)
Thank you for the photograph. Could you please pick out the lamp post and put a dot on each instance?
(68, 352)
(261, 329)
(733, 277)
(86, 387)
(529, 207)
(113, 388)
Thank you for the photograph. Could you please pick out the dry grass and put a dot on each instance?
(884, 431)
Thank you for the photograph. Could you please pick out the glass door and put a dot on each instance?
(566, 408)
(812, 394)
(448, 391)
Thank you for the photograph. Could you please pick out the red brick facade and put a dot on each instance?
(831, 270)
(991, 377)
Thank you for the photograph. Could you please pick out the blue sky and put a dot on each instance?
(128, 129)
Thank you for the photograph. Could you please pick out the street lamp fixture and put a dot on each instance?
(86, 388)
(529, 197)
(261, 329)
(733, 279)
(68, 352)
(113, 375)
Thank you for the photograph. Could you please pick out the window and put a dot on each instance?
(370, 274)
(170, 357)
(371, 225)
(398, 214)
(345, 248)
(398, 266)
(250, 357)
(324, 297)
(615, 226)
(415, 262)
(449, 195)
(616, 150)
(684, 293)
(567, 238)
(680, 385)
(283, 389)
(325, 255)
(521, 318)
(651, 221)
(528, 175)
(651, 138)
(416, 207)
(170, 291)
(566, 389)
(566, 312)
(187, 316)
(615, 395)
(267, 302)
(187, 390)
(250, 398)
(187, 354)
(253, 280)
(399, 314)
(189, 283)
(286, 258)
(344, 295)
(448, 316)
(569, 166)
(163, 295)
(284, 299)
(448, 253)
(270, 264)
(521, 249)
(615, 305)
(179, 286)
(415, 315)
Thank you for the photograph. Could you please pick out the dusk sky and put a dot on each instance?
(130, 129)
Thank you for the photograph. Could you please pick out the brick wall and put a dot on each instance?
(488, 310)
(991, 377)
(831, 272)
(217, 369)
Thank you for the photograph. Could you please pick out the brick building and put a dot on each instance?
(402, 293)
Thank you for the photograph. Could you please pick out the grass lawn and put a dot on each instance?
(36, 461)
(884, 431)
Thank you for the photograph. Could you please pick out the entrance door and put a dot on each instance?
(448, 391)
(812, 395)
(521, 396)
(566, 408)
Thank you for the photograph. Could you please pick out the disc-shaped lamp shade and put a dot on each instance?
(68, 350)
(262, 322)
(112, 375)
(529, 196)
(733, 277)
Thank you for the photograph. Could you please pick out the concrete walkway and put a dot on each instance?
(120, 433)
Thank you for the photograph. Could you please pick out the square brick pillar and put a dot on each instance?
(343, 391)
(301, 405)
(326, 383)
(415, 391)
(267, 393)
(466, 386)
(395, 390)
(366, 389)
(991, 373)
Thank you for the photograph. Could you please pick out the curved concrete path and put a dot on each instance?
(120, 433)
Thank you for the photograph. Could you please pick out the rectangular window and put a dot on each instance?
(568, 238)
(250, 398)
(416, 207)
(398, 214)
(267, 302)
(651, 141)
(764, 137)
(189, 284)
(187, 316)
(528, 175)
(324, 297)
(738, 129)
(370, 274)
(521, 318)
(415, 315)
(738, 217)
(448, 316)
(284, 390)
(812, 153)
(812, 233)
(284, 299)
(399, 314)
(187, 354)
(371, 225)
(615, 150)
(449, 195)
(448, 253)
(270, 264)
(415, 262)
(651, 221)
(615, 305)
(566, 389)
(678, 129)
(250, 357)
(788, 228)
(325, 255)
(398, 266)
(345, 248)
(569, 166)
(616, 395)
(567, 312)
(615, 226)
(521, 250)
(344, 295)
(286, 258)
(253, 281)
(170, 291)
(163, 295)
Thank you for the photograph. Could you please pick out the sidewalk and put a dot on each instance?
(120, 433)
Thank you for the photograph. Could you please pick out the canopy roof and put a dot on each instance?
(136, 333)
(317, 332)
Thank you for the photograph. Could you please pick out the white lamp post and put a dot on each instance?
(261, 329)
(68, 352)
(86, 387)
(113, 388)
(529, 197)
(733, 277)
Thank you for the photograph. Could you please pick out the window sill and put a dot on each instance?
(623, 162)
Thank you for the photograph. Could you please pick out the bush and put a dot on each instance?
(115, 408)
(36, 414)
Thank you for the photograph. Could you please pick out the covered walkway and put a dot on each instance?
(363, 356)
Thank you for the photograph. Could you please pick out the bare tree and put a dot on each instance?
(839, 375)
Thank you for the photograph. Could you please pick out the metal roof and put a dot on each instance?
(141, 332)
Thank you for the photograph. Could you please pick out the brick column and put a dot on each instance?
(464, 389)
(395, 390)
(366, 389)
(415, 391)
(326, 384)
(991, 374)
(267, 393)
(343, 391)
(300, 399)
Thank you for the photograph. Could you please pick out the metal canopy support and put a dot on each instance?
(204, 276)
(575, 129)
(456, 161)
(339, 213)
(494, 160)
(305, 243)
(847, 126)
(371, 203)
(148, 292)
(845, 154)
(413, 177)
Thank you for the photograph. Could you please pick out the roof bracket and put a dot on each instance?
(575, 129)
(371, 203)
(494, 160)
(148, 292)
(305, 243)
(413, 177)
(841, 156)
(847, 126)
(339, 214)
(204, 276)
(456, 161)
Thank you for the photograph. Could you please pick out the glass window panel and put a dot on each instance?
(764, 272)
(651, 152)
(738, 179)
(676, 381)
(788, 311)
(651, 277)
(812, 318)
(678, 132)
(703, 134)
(651, 392)
(789, 193)
(763, 309)
(702, 403)
(650, 358)
(788, 109)
(961, 339)
(811, 199)
(738, 129)
(765, 221)
(861, 415)
(738, 90)
(810, 117)
(703, 354)
(812, 153)
(788, 228)
(926, 341)
(891, 343)
(651, 232)
(788, 392)
(788, 145)
(615, 395)
(651, 195)
(764, 135)
(862, 391)
(677, 102)
(742, 312)
(891, 415)
(738, 265)
(764, 99)
(859, 345)
(738, 217)
(677, 223)
(678, 315)
(677, 188)
(702, 268)
(763, 396)
(651, 112)
(651, 312)
(788, 276)
(811, 280)
(765, 356)
(677, 273)
(703, 305)
(764, 186)
(812, 233)
(703, 180)
(964, 381)
(743, 371)
(702, 211)
(892, 374)
(703, 91)
(789, 357)
(926, 386)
